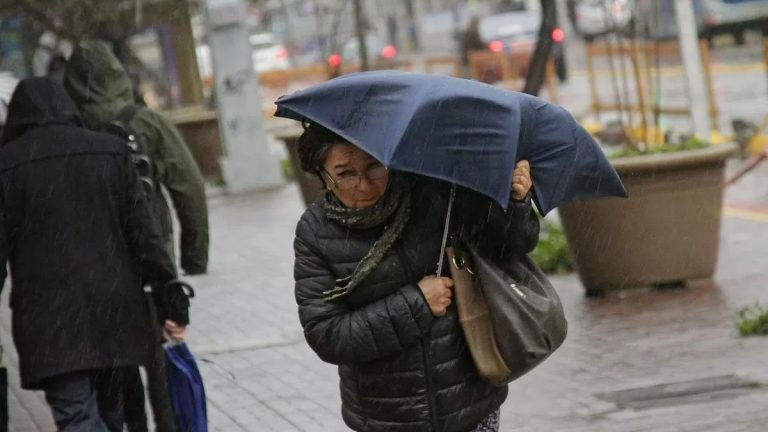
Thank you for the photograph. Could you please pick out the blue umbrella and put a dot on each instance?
(185, 386)
(461, 131)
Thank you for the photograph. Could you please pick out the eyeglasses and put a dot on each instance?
(351, 181)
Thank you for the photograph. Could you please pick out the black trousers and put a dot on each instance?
(86, 400)
(133, 394)
(157, 384)
(159, 399)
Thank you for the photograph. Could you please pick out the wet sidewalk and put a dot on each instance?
(260, 375)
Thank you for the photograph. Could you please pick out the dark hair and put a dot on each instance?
(314, 145)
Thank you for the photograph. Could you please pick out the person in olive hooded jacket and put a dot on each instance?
(100, 86)
(102, 89)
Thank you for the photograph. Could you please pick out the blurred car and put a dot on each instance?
(592, 18)
(204, 62)
(379, 53)
(713, 17)
(514, 32)
(517, 32)
(268, 53)
(8, 83)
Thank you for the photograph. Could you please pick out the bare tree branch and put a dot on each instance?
(38, 13)
(75, 19)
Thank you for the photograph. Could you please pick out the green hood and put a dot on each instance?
(97, 82)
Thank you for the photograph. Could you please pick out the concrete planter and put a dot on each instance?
(200, 130)
(312, 189)
(666, 233)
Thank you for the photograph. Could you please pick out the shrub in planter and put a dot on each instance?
(551, 253)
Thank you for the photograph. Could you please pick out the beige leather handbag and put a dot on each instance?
(512, 318)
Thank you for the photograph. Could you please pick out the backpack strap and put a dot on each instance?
(139, 156)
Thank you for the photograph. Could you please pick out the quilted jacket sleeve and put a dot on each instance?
(341, 335)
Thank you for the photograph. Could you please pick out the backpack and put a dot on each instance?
(120, 127)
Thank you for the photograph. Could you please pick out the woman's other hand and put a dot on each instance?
(521, 180)
(437, 291)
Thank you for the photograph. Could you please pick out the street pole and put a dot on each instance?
(289, 40)
(537, 70)
(322, 44)
(689, 47)
(456, 31)
(414, 42)
(247, 163)
(360, 31)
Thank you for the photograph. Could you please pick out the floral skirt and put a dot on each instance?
(489, 424)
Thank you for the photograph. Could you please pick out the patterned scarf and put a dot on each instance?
(394, 207)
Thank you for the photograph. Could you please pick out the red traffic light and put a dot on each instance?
(334, 60)
(388, 52)
(558, 35)
(496, 46)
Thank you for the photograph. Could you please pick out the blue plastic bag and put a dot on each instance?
(186, 389)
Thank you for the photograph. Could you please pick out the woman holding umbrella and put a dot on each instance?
(368, 296)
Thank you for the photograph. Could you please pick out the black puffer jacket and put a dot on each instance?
(401, 368)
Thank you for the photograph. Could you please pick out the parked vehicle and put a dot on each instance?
(592, 18)
(379, 52)
(513, 32)
(518, 31)
(268, 53)
(8, 83)
(713, 17)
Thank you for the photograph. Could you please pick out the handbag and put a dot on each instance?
(511, 317)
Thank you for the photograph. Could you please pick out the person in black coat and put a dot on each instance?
(81, 242)
(471, 41)
(368, 297)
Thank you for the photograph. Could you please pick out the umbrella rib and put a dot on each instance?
(445, 230)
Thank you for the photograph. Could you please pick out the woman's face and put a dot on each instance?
(356, 178)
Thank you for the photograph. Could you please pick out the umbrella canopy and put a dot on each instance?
(185, 386)
(461, 131)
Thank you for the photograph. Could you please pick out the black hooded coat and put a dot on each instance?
(79, 238)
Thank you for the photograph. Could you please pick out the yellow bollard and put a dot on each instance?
(716, 138)
(758, 144)
(592, 127)
(654, 137)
